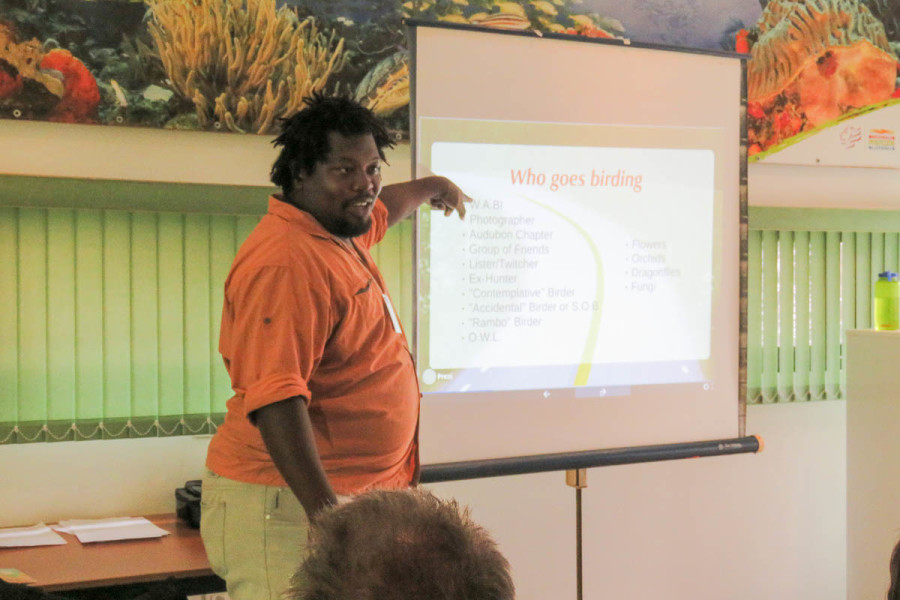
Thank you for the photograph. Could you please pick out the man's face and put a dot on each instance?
(341, 190)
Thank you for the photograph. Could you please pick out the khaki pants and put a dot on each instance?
(255, 536)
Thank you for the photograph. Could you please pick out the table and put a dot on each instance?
(75, 566)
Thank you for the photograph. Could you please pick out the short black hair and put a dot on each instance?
(304, 136)
(401, 545)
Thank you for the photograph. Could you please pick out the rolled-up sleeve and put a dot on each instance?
(278, 334)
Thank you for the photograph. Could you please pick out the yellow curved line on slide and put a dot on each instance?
(584, 368)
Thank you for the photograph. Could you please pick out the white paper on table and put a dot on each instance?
(35, 535)
(112, 529)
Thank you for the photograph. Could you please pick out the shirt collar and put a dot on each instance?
(290, 213)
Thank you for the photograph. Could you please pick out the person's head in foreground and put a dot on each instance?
(894, 591)
(401, 545)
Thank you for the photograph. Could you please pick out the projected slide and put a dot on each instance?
(592, 296)
(576, 266)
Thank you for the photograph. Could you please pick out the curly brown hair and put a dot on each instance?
(401, 545)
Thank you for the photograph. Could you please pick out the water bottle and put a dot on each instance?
(887, 302)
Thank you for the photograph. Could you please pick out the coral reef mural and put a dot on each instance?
(239, 65)
(232, 65)
(706, 24)
(813, 67)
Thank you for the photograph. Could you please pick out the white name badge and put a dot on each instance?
(390, 309)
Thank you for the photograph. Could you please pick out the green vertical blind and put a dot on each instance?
(806, 287)
(109, 320)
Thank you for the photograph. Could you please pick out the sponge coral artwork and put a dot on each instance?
(814, 63)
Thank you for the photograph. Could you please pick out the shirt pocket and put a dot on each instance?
(366, 303)
(364, 319)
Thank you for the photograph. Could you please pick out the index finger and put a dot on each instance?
(461, 207)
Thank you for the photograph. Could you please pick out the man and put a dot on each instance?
(401, 545)
(326, 398)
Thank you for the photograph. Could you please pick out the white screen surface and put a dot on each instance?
(590, 298)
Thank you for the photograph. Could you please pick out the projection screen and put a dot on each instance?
(590, 298)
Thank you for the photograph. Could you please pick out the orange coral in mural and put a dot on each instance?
(81, 96)
(741, 43)
(591, 32)
(10, 83)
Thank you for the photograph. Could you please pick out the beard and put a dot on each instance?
(342, 221)
(345, 223)
(348, 228)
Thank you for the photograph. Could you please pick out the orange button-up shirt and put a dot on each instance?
(307, 315)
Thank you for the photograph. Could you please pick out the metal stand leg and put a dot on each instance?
(577, 478)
